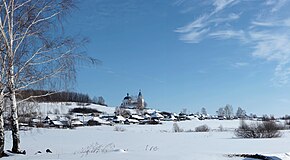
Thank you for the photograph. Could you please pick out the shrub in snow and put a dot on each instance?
(120, 129)
(97, 148)
(221, 128)
(202, 128)
(40, 125)
(176, 128)
(287, 124)
(266, 129)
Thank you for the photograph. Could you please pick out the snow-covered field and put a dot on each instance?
(143, 142)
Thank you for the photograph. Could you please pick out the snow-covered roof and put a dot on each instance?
(52, 117)
(76, 122)
(135, 116)
(57, 123)
(133, 120)
(98, 119)
(156, 115)
(119, 118)
(150, 111)
(147, 116)
(36, 120)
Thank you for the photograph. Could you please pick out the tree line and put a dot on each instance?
(227, 112)
(52, 96)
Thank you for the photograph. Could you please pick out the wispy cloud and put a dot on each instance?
(230, 17)
(194, 36)
(240, 64)
(200, 28)
(273, 46)
(198, 23)
(272, 23)
(221, 4)
(266, 33)
(270, 46)
(278, 5)
(227, 34)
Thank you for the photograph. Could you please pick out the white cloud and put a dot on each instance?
(271, 46)
(230, 17)
(240, 64)
(274, 47)
(265, 30)
(278, 5)
(198, 23)
(194, 36)
(227, 34)
(286, 22)
(270, 2)
(263, 24)
(221, 4)
(272, 23)
(197, 30)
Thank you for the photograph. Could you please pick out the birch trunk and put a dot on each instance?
(14, 123)
(1, 126)
(14, 113)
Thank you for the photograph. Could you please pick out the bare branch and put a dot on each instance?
(37, 96)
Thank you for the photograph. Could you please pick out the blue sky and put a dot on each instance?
(187, 53)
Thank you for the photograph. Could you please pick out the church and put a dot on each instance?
(133, 102)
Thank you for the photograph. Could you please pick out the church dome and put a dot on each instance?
(128, 97)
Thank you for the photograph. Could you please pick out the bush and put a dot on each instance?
(176, 128)
(266, 129)
(97, 148)
(202, 128)
(120, 129)
(40, 125)
(221, 128)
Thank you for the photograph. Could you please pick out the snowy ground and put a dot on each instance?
(143, 142)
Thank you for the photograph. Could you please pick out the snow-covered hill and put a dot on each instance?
(64, 107)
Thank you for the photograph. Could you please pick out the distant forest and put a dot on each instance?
(52, 96)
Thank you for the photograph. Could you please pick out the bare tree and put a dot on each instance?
(220, 112)
(241, 113)
(228, 110)
(36, 55)
(203, 111)
(101, 101)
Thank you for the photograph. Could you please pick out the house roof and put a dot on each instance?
(57, 123)
(119, 118)
(134, 116)
(156, 115)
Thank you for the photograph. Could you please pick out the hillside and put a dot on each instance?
(64, 107)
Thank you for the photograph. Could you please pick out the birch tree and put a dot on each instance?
(2, 88)
(38, 53)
